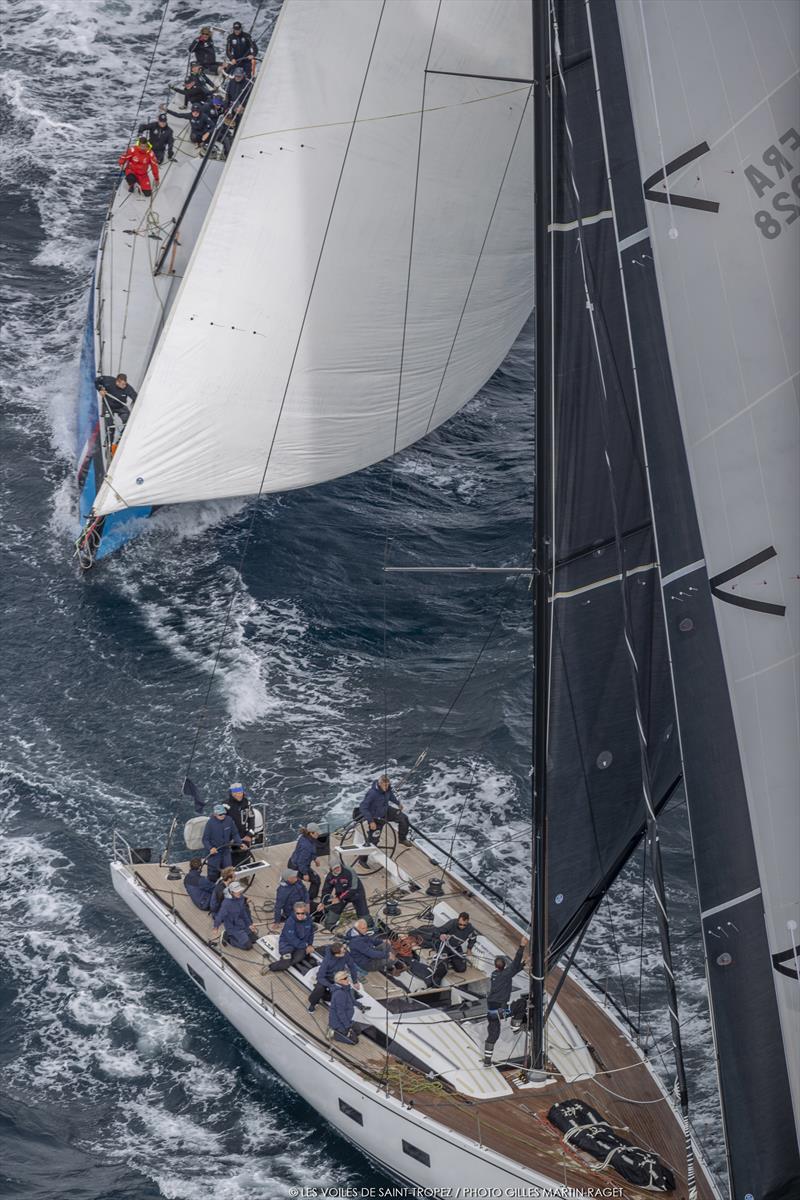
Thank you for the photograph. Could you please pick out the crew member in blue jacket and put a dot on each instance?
(342, 1010)
(340, 888)
(369, 951)
(219, 837)
(296, 940)
(198, 887)
(336, 958)
(304, 857)
(291, 891)
(235, 916)
(381, 805)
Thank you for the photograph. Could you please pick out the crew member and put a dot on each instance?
(500, 982)
(291, 891)
(160, 137)
(340, 888)
(342, 1010)
(240, 808)
(296, 940)
(236, 918)
(118, 399)
(237, 91)
(139, 162)
(241, 50)
(336, 958)
(221, 888)
(304, 857)
(200, 124)
(196, 88)
(202, 50)
(405, 948)
(369, 951)
(381, 805)
(219, 837)
(199, 888)
(457, 938)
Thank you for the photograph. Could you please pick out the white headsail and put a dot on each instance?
(366, 263)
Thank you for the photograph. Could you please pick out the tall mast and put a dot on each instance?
(542, 546)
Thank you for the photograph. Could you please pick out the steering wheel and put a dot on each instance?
(357, 833)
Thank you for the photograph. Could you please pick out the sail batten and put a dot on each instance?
(343, 298)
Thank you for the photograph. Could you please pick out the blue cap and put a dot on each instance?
(236, 787)
(219, 810)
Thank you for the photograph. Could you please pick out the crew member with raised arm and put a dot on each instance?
(196, 87)
(500, 982)
(200, 888)
(219, 837)
(291, 891)
(236, 918)
(296, 940)
(202, 50)
(200, 124)
(241, 50)
(304, 857)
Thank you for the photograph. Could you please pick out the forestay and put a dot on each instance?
(365, 265)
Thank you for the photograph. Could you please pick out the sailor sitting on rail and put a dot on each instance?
(369, 951)
(296, 940)
(199, 888)
(336, 958)
(221, 888)
(235, 916)
(340, 888)
(342, 1011)
(291, 891)
(219, 836)
(304, 857)
(457, 939)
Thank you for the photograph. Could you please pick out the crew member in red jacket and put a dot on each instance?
(136, 162)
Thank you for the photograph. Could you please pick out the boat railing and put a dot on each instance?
(121, 849)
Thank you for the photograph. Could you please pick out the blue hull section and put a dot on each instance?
(119, 527)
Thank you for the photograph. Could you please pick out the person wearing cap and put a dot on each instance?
(304, 857)
(235, 917)
(138, 164)
(340, 888)
(160, 137)
(202, 50)
(221, 888)
(199, 888)
(342, 1010)
(296, 940)
(214, 108)
(219, 837)
(241, 810)
(200, 124)
(291, 891)
(241, 50)
(381, 805)
(237, 91)
(500, 982)
(369, 951)
(196, 87)
(336, 957)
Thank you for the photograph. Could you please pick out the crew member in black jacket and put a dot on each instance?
(500, 982)
(202, 50)
(118, 397)
(241, 49)
(159, 135)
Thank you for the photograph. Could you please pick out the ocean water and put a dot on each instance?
(119, 1081)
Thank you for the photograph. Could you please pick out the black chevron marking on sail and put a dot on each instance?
(668, 197)
(775, 610)
(778, 961)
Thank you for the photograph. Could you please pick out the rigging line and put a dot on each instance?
(149, 69)
(641, 932)
(249, 534)
(480, 256)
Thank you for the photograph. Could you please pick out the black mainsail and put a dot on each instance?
(625, 531)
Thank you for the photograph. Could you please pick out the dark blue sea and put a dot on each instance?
(119, 1081)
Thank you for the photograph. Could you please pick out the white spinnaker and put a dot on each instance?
(311, 331)
(727, 74)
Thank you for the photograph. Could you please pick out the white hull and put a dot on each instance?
(323, 1081)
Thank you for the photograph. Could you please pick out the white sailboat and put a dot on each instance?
(666, 268)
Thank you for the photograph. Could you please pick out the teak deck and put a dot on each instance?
(515, 1125)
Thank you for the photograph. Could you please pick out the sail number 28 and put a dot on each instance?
(775, 159)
